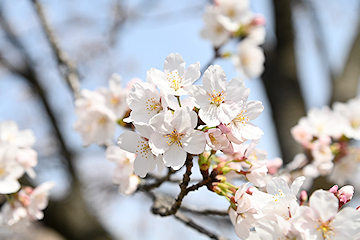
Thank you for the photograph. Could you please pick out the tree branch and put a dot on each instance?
(205, 211)
(345, 85)
(164, 202)
(70, 218)
(281, 81)
(158, 182)
(183, 191)
(66, 65)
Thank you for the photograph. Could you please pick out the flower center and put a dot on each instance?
(143, 148)
(153, 105)
(217, 98)
(231, 12)
(326, 229)
(219, 29)
(213, 139)
(242, 117)
(355, 123)
(174, 137)
(102, 120)
(2, 172)
(253, 156)
(174, 79)
(246, 60)
(277, 196)
(114, 100)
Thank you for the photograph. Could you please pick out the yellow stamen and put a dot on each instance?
(174, 137)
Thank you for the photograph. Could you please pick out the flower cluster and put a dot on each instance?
(227, 19)
(124, 172)
(17, 158)
(277, 213)
(169, 127)
(98, 112)
(172, 119)
(326, 135)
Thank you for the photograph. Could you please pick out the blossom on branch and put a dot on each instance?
(175, 80)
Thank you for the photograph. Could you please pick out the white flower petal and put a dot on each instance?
(175, 157)
(192, 74)
(174, 62)
(194, 142)
(144, 163)
(214, 79)
(325, 204)
(129, 141)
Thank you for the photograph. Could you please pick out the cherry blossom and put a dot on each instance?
(351, 112)
(124, 172)
(250, 59)
(96, 125)
(321, 220)
(219, 101)
(39, 199)
(175, 80)
(145, 161)
(214, 30)
(115, 96)
(145, 102)
(10, 171)
(175, 136)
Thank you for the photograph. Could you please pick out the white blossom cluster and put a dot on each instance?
(172, 118)
(226, 19)
(168, 125)
(17, 157)
(326, 135)
(278, 214)
(98, 112)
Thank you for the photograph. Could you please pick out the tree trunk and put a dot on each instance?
(281, 82)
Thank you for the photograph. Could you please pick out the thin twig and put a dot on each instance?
(120, 18)
(159, 181)
(189, 222)
(183, 191)
(165, 201)
(205, 211)
(67, 66)
(211, 61)
(61, 218)
(170, 180)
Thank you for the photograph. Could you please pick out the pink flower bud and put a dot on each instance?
(224, 129)
(24, 197)
(347, 191)
(251, 190)
(334, 189)
(130, 84)
(274, 165)
(303, 197)
(258, 20)
(216, 189)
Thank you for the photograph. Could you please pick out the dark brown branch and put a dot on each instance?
(281, 81)
(205, 211)
(120, 19)
(158, 181)
(67, 66)
(165, 202)
(181, 217)
(346, 85)
(183, 191)
(70, 218)
(211, 61)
